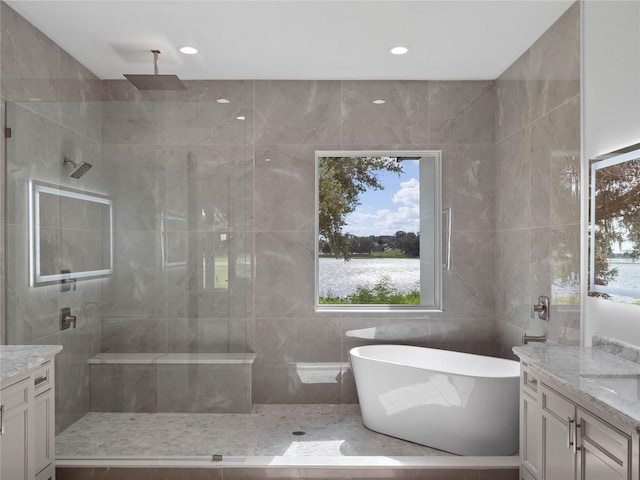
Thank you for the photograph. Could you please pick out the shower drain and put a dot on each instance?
(298, 433)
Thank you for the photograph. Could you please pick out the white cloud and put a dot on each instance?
(386, 221)
(409, 194)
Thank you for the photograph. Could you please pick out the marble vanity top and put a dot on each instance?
(603, 381)
(17, 359)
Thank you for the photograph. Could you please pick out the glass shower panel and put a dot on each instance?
(166, 330)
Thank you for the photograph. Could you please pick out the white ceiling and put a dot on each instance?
(296, 39)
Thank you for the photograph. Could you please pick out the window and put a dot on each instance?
(378, 230)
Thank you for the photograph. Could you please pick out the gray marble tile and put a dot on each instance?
(284, 275)
(30, 60)
(404, 118)
(199, 335)
(78, 148)
(204, 280)
(411, 330)
(280, 341)
(512, 277)
(540, 264)
(124, 388)
(468, 186)
(555, 64)
(195, 117)
(73, 373)
(137, 288)
(565, 284)
(137, 188)
(466, 292)
(285, 183)
(283, 384)
(462, 112)
(80, 95)
(513, 196)
(207, 188)
(508, 336)
(139, 335)
(142, 122)
(32, 153)
(348, 391)
(204, 388)
(513, 98)
(555, 164)
(470, 335)
(124, 91)
(30, 310)
(297, 112)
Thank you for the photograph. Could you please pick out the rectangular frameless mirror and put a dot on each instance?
(614, 227)
(70, 234)
(379, 230)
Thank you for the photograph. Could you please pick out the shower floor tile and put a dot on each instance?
(329, 430)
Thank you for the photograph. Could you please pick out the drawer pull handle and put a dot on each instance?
(1, 419)
(41, 379)
(575, 438)
(570, 437)
(534, 382)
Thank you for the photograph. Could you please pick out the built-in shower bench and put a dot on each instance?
(171, 382)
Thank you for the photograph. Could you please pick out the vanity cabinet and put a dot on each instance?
(27, 439)
(561, 440)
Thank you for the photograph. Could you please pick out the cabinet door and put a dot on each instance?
(14, 443)
(558, 458)
(44, 428)
(529, 433)
(604, 451)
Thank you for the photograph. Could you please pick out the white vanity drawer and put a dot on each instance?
(42, 378)
(15, 395)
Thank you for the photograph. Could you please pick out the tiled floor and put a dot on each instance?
(329, 430)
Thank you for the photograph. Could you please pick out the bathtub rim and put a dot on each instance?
(515, 364)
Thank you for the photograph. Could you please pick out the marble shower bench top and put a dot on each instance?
(173, 358)
(590, 374)
(18, 359)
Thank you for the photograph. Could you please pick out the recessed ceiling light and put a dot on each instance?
(267, 159)
(222, 100)
(379, 101)
(188, 50)
(399, 50)
(240, 117)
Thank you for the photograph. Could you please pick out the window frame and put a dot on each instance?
(430, 207)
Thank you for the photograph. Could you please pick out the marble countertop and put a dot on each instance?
(18, 359)
(585, 372)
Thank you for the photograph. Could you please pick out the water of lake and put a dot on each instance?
(342, 278)
(628, 277)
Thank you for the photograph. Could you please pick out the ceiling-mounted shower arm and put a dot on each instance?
(155, 61)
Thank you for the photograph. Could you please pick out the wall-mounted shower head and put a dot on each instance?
(155, 81)
(78, 169)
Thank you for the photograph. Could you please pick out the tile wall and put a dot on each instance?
(189, 147)
(538, 188)
(61, 117)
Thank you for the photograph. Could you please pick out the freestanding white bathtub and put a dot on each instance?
(457, 402)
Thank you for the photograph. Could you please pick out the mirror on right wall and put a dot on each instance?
(614, 226)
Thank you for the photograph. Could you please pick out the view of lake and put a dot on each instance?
(341, 278)
(628, 277)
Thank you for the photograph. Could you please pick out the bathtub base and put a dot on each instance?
(475, 415)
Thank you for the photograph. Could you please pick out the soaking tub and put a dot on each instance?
(457, 402)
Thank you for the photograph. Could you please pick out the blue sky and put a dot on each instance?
(397, 207)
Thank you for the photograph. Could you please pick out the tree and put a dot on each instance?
(408, 243)
(341, 182)
(617, 216)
